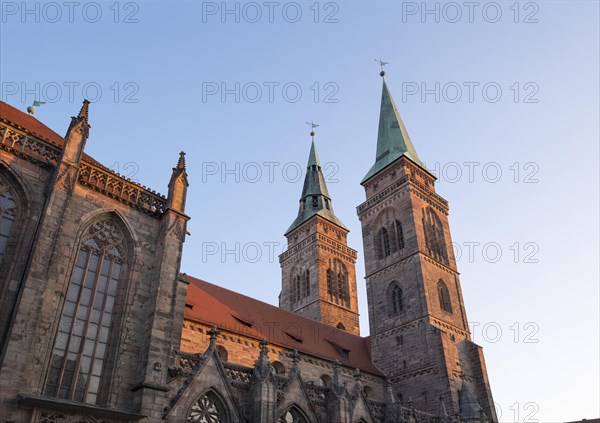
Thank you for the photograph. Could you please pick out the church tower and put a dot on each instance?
(318, 268)
(418, 325)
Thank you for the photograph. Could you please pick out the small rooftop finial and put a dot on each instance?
(312, 127)
(181, 161)
(31, 109)
(382, 64)
(213, 333)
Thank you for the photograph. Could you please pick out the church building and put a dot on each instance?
(98, 323)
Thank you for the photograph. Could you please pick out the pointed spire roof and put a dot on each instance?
(84, 111)
(393, 140)
(313, 157)
(314, 189)
(181, 161)
(179, 169)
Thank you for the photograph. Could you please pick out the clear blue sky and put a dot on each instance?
(171, 56)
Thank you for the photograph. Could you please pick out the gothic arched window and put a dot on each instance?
(399, 235)
(395, 298)
(434, 235)
(306, 283)
(80, 348)
(207, 409)
(293, 415)
(223, 354)
(444, 296)
(277, 368)
(385, 242)
(8, 214)
(341, 326)
(298, 288)
(337, 280)
(325, 380)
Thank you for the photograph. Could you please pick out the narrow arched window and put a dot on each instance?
(298, 288)
(80, 348)
(385, 242)
(330, 283)
(8, 214)
(399, 235)
(325, 380)
(277, 368)
(223, 354)
(397, 300)
(207, 409)
(306, 283)
(444, 296)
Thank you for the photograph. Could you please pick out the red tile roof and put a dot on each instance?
(33, 126)
(237, 313)
(29, 123)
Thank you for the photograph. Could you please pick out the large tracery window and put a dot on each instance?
(80, 348)
(337, 283)
(208, 409)
(293, 415)
(434, 236)
(8, 213)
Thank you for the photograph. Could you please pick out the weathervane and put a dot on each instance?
(382, 64)
(312, 128)
(31, 109)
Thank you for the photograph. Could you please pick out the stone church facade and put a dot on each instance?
(98, 324)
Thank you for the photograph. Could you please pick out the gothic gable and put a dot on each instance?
(208, 391)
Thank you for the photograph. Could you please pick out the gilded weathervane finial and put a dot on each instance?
(382, 64)
(31, 109)
(312, 127)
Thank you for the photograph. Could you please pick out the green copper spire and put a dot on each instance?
(315, 199)
(393, 140)
(313, 157)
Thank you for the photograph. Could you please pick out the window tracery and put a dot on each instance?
(80, 348)
(207, 409)
(8, 214)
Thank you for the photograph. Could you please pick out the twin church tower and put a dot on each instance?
(419, 335)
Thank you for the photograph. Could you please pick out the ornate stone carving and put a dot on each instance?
(208, 409)
(119, 188)
(30, 148)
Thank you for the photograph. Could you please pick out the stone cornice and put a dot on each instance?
(327, 243)
(408, 259)
(374, 204)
